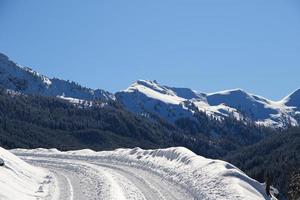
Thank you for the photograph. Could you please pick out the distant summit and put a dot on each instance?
(28, 81)
(171, 103)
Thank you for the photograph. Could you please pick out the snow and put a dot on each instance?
(187, 93)
(153, 90)
(219, 111)
(13, 93)
(172, 173)
(226, 92)
(173, 103)
(27, 81)
(240, 100)
(45, 79)
(147, 97)
(19, 180)
(75, 101)
(261, 110)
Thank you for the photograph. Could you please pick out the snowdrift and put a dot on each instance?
(21, 181)
(204, 178)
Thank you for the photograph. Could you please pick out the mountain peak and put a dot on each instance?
(293, 99)
(146, 82)
(238, 90)
(229, 92)
(293, 94)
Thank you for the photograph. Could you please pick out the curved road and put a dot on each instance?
(75, 179)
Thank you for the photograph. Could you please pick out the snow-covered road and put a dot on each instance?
(170, 174)
(96, 179)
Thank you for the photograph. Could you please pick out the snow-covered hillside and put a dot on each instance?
(257, 108)
(27, 81)
(146, 97)
(171, 103)
(21, 181)
(170, 174)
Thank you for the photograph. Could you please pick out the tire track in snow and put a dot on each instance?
(153, 186)
(112, 186)
(109, 181)
(61, 182)
(71, 195)
(150, 192)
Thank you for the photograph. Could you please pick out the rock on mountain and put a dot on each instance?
(27, 81)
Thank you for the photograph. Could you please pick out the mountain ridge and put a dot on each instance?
(148, 96)
(25, 80)
(151, 98)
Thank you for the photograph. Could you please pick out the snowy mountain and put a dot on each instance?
(27, 81)
(149, 97)
(145, 97)
(254, 107)
(172, 173)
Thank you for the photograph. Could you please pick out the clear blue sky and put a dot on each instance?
(207, 45)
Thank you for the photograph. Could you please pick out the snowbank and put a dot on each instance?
(19, 180)
(204, 178)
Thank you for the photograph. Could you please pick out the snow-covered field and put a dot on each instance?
(169, 174)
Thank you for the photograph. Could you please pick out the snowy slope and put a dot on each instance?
(293, 100)
(27, 81)
(19, 180)
(170, 174)
(174, 103)
(257, 108)
(148, 97)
